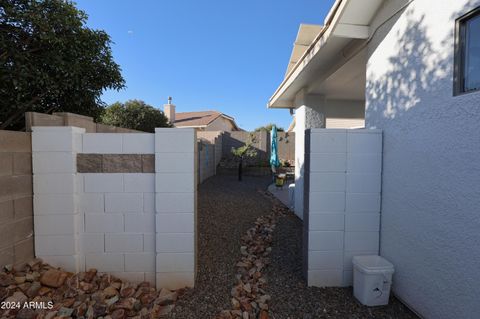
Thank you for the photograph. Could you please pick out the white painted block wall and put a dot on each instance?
(137, 226)
(342, 202)
(119, 228)
(175, 207)
(57, 218)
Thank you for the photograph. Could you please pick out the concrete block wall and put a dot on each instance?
(286, 146)
(215, 138)
(175, 206)
(237, 139)
(119, 219)
(262, 141)
(116, 216)
(342, 202)
(70, 119)
(206, 160)
(57, 218)
(16, 218)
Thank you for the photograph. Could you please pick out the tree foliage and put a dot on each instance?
(50, 61)
(246, 150)
(268, 128)
(136, 115)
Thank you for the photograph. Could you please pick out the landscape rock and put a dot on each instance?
(58, 294)
(110, 291)
(249, 297)
(26, 313)
(18, 298)
(6, 280)
(53, 278)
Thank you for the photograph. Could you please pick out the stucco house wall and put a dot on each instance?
(220, 124)
(344, 114)
(431, 149)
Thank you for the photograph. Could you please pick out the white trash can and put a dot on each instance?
(372, 279)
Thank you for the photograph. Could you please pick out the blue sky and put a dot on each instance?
(228, 56)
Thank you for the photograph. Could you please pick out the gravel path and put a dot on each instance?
(226, 210)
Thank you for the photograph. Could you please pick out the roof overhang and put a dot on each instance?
(346, 25)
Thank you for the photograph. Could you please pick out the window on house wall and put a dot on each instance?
(468, 53)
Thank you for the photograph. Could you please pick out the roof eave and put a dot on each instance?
(334, 26)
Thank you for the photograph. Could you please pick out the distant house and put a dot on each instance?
(412, 69)
(202, 120)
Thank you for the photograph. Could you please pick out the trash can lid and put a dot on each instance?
(372, 263)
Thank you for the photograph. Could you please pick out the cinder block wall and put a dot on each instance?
(215, 138)
(118, 205)
(206, 160)
(286, 144)
(121, 203)
(342, 202)
(16, 226)
(70, 119)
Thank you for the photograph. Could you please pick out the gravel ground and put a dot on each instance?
(226, 210)
(292, 299)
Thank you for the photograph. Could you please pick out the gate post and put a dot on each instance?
(342, 202)
(175, 207)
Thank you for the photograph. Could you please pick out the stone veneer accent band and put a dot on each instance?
(115, 163)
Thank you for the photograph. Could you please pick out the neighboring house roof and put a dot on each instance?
(200, 119)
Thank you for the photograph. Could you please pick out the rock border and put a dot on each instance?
(249, 298)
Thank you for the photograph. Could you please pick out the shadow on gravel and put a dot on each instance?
(226, 210)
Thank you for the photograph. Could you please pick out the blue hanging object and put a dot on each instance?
(274, 161)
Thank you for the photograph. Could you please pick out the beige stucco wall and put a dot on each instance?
(344, 114)
(220, 124)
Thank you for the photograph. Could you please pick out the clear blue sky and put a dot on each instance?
(220, 55)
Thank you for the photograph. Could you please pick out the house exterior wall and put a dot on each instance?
(342, 202)
(121, 203)
(431, 150)
(220, 124)
(344, 114)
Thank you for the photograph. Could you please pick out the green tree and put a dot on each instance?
(244, 151)
(50, 61)
(136, 115)
(268, 128)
